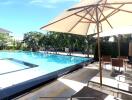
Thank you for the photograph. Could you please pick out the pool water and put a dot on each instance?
(46, 63)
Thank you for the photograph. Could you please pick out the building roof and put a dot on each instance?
(4, 31)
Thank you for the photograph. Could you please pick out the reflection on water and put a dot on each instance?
(48, 62)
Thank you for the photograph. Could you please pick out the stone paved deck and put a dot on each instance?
(64, 86)
(71, 83)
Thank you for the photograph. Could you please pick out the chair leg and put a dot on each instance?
(125, 66)
(87, 83)
(119, 69)
(105, 66)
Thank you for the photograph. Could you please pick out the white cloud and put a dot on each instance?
(49, 6)
(50, 3)
(36, 1)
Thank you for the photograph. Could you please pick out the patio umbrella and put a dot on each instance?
(93, 16)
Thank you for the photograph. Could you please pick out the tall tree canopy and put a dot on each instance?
(58, 41)
(5, 39)
(31, 39)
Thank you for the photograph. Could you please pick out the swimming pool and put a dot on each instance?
(24, 66)
(46, 62)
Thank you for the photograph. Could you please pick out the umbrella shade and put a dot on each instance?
(93, 16)
(130, 48)
(82, 19)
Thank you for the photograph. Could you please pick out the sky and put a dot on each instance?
(22, 16)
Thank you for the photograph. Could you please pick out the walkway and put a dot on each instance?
(64, 86)
(71, 83)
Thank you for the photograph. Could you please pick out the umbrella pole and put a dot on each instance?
(87, 46)
(119, 46)
(99, 52)
(130, 48)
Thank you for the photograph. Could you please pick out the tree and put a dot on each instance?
(5, 39)
(32, 40)
(56, 40)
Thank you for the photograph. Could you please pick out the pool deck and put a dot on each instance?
(65, 53)
(71, 83)
(64, 86)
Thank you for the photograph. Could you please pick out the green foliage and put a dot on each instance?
(31, 39)
(5, 39)
(58, 41)
(111, 48)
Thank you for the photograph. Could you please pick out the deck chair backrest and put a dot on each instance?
(106, 58)
(117, 62)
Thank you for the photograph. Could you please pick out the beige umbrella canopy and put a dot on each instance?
(93, 16)
(82, 19)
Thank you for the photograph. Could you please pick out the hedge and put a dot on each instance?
(111, 48)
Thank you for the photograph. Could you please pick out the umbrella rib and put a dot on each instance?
(92, 16)
(113, 12)
(79, 7)
(102, 9)
(105, 18)
(62, 18)
(118, 9)
(98, 5)
(84, 18)
(89, 24)
(79, 21)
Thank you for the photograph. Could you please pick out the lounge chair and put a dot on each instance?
(125, 60)
(87, 93)
(113, 84)
(117, 62)
(106, 59)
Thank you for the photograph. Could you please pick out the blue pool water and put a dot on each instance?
(46, 62)
(23, 70)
